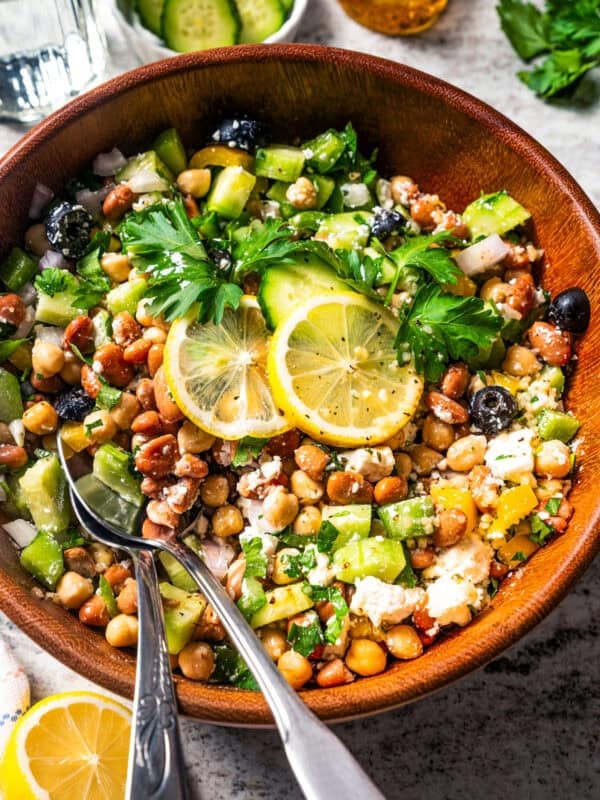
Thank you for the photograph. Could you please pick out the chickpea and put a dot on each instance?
(423, 210)
(403, 464)
(102, 555)
(71, 371)
(194, 181)
(191, 439)
(520, 361)
(214, 491)
(227, 521)
(281, 564)
(307, 490)
(547, 489)
(122, 631)
(197, 661)
(308, 521)
(334, 673)
(47, 358)
(125, 411)
(451, 527)
(302, 194)
(390, 489)
(127, 598)
(73, 590)
(312, 460)
(553, 459)
(280, 508)
(295, 668)
(424, 459)
(345, 488)
(41, 418)
(209, 628)
(274, 642)
(117, 266)
(403, 189)
(36, 239)
(365, 657)
(99, 426)
(437, 434)
(466, 452)
(403, 642)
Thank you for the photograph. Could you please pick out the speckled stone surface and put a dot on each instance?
(526, 726)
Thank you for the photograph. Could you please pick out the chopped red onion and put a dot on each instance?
(20, 531)
(50, 333)
(482, 255)
(25, 327)
(217, 556)
(106, 164)
(146, 180)
(17, 431)
(92, 200)
(39, 200)
(28, 294)
(52, 259)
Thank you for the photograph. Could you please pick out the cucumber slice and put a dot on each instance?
(408, 518)
(344, 231)
(44, 491)
(260, 18)
(115, 510)
(11, 403)
(282, 602)
(557, 425)
(144, 162)
(283, 288)
(181, 613)
(230, 192)
(199, 24)
(353, 522)
(279, 162)
(111, 466)
(150, 12)
(376, 557)
(126, 296)
(169, 148)
(494, 213)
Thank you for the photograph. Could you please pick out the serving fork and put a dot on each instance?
(321, 763)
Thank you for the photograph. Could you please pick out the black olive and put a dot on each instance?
(68, 229)
(570, 310)
(222, 258)
(241, 132)
(492, 409)
(73, 404)
(385, 222)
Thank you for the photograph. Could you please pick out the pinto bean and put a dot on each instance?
(94, 612)
(148, 422)
(344, 488)
(109, 362)
(424, 208)
(117, 202)
(166, 405)
(116, 575)
(498, 570)
(150, 530)
(137, 352)
(334, 673)
(390, 489)
(77, 559)
(157, 457)
(446, 409)
(521, 294)
(451, 527)
(285, 443)
(421, 559)
(154, 359)
(12, 309)
(12, 456)
(455, 381)
(90, 381)
(50, 385)
(190, 466)
(145, 394)
(182, 495)
(80, 332)
(553, 345)
(161, 513)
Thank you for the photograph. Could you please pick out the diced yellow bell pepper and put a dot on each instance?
(464, 287)
(514, 505)
(21, 358)
(74, 436)
(446, 497)
(521, 543)
(509, 382)
(219, 155)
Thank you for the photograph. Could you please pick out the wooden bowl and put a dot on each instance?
(447, 141)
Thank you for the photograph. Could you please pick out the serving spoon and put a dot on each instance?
(320, 762)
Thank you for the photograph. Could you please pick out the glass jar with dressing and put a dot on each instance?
(395, 17)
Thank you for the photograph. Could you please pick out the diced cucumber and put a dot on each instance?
(284, 287)
(43, 558)
(277, 192)
(57, 310)
(144, 162)
(182, 612)
(352, 522)
(344, 231)
(230, 192)
(287, 5)
(11, 403)
(279, 162)
(555, 377)
(113, 508)
(408, 518)
(324, 187)
(178, 575)
(375, 557)
(282, 602)
(324, 151)
(112, 467)
(169, 148)
(102, 328)
(489, 357)
(199, 24)
(17, 268)
(260, 19)
(494, 213)
(15, 505)
(105, 591)
(150, 12)
(557, 425)
(126, 296)
(44, 490)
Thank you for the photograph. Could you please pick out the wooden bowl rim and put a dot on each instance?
(225, 705)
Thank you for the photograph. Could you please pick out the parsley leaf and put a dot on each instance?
(253, 597)
(418, 252)
(439, 327)
(361, 273)
(326, 536)
(306, 638)
(247, 448)
(52, 281)
(231, 668)
(553, 505)
(297, 566)
(108, 397)
(539, 530)
(334, 596)
(94, 282)
(162, 228)
(256, 560)
(519, 556)
(525, 26)
(408, 576)
(290, 539)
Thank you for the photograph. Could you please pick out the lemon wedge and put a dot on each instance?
(334, 372)
(71, 745)
(217, 374)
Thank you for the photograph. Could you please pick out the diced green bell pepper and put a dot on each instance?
(11, 403)
(43, 558)
(169, 148)
(17, 268)
(557, 425)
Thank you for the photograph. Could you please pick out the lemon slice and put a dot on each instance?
(334, 372)
(71, 745)
(217, 374)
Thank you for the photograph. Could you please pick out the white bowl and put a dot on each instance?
(148, 47)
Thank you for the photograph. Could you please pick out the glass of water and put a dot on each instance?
(50, 51)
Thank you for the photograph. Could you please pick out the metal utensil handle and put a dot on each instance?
(321, 763)
(156, 768)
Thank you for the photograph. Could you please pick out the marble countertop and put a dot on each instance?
(525, 726)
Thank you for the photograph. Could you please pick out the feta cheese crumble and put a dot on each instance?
(510, 454)
(383, 602)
